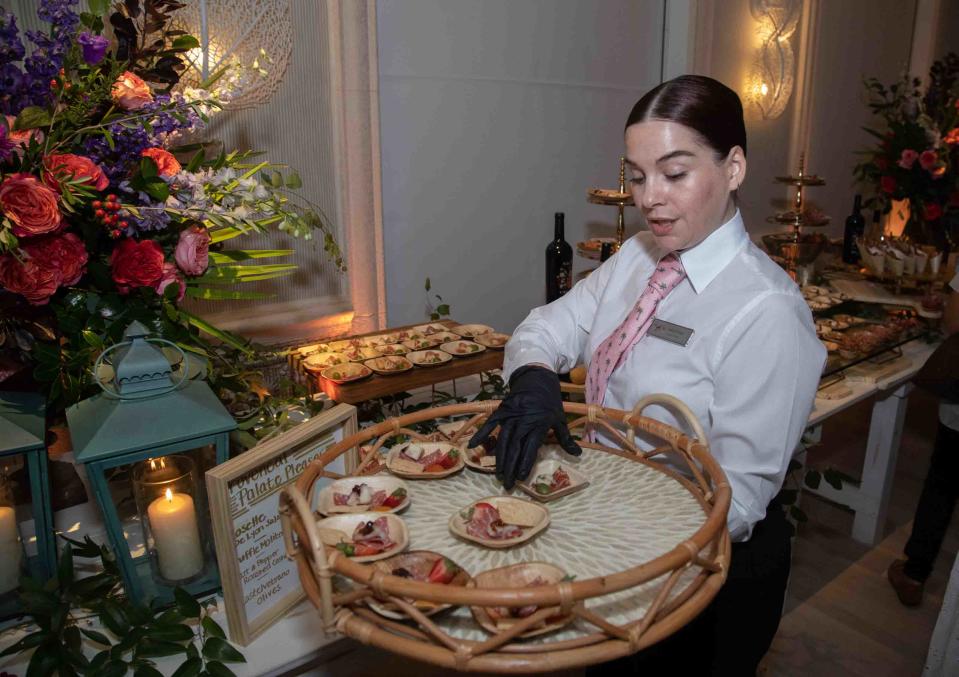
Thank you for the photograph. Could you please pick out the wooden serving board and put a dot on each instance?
(379, 386)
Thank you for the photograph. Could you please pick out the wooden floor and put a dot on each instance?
(841, 616)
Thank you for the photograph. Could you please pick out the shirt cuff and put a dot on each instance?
(523, 355)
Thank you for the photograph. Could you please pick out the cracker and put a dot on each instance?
(407, 466)
(487, 461)
(332, 537)
(520, 513)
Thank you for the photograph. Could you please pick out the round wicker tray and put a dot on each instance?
(648, 548)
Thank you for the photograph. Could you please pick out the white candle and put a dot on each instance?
(10, 551)
(176, 536)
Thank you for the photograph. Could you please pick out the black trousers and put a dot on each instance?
(939, 493)
(733, 633)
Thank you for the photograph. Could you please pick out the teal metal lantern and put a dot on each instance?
(145, 443)
(24, 497)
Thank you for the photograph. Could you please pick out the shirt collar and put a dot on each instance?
(706, 260)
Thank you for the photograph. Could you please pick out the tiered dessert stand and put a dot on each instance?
(790, 245)
(646, 548)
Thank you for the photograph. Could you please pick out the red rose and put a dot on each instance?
(887, 184)
(136, 264)
(931, 212)
(882, 162)
(928, 160)
(64, 253)
(29, 278)
(31, 206)
(167, 165)
(67, 166)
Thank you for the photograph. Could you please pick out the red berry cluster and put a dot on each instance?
(107, 213)
(54, 83)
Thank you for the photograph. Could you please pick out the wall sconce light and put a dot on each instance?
(239, 32)
(770, 81)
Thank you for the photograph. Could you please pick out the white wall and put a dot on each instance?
(851, 39)
(494, 114)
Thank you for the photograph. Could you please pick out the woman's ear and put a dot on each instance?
(736, 167)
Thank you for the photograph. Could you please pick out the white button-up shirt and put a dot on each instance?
(749, 372)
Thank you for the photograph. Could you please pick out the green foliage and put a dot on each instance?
(437, 312)
(135, 634)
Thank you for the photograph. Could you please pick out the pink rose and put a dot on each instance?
(928, 160)
(192, 251)
(22, 137)
(65, 254)
(908, 158)
(68, 167)
(130, 92)
(170, 275)
(167, 165)
(31, 206)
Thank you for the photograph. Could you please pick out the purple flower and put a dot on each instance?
(11, 48)
(94, 47)
(6, 145)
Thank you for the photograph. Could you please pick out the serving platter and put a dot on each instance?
(533, 485)
(320, 361)
(326, 500)
(403, 468)
(389, 364)
(338, 531)
(416, 565)
(472, 330)
(421, 357)
(346, 373)
(462, 348)
(534, 518)
(494, 340)
(523, 575)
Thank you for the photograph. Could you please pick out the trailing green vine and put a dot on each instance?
(64, 608)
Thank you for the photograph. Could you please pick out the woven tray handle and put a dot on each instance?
(677, 406)
(294, 506)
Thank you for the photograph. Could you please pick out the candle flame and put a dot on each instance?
(169, 495)
(153, 463)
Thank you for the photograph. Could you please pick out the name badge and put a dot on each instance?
(668, 331)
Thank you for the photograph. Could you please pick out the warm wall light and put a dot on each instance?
(235, 31)
(770, 81)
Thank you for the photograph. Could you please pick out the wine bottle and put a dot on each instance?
(559, 262)
(606, 251)
(855, 227)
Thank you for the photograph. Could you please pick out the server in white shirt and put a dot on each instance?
(749, 369)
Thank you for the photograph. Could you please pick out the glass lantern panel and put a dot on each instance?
(162, 508)
(17, 531)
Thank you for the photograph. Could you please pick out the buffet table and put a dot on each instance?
(870, 499)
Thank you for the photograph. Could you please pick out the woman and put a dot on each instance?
(748, 369)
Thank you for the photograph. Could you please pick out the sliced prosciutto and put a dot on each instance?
(361, 494)
(484, 522)
(369, 538)
(436, 461)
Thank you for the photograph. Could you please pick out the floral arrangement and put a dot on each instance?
(917, 158)
(109, 211)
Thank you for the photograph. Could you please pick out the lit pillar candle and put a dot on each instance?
(10, 551)
(176, 536)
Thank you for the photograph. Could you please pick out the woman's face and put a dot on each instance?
(677, 183)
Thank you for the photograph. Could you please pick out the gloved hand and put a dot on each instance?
(533, 406)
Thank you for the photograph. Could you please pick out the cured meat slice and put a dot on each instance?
(485, 523)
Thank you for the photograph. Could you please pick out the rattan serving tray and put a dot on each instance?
(646, 547)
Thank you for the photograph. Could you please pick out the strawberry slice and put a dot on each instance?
(450, 460)
(394, 499)
(443, 571)
(364, 549)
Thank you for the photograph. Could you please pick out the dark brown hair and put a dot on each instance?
(706, 106)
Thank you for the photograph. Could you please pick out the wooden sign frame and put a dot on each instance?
(280, 461)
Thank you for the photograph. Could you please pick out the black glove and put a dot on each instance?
(533, 406)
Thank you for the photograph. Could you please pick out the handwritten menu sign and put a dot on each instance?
(259, 582)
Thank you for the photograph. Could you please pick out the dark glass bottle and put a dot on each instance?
(559, 263)
(876, 230)
(606, 251)
(855, 227)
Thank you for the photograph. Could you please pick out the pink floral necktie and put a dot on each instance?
(611, 352)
